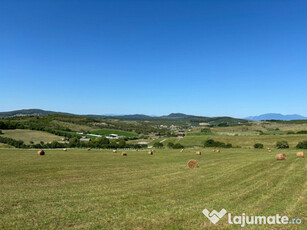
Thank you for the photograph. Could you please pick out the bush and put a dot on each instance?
(258, 146)
(223, 125)
(158, 145)
(290, 132)
(302, 145)
(205, 130)
(213, 143)
(178, 146)
(302, 132)
(282, 145)
(175, 146)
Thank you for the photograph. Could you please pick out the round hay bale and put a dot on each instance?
(150, 153)
(181, 150)
(124, 154)
(281, 156)
(40, 152)
(88, 149)
(192, 164)
(300, 154)
(217, 151)
(65, 149)
(198, 153)
(114, 151)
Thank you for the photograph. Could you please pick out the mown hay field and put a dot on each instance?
(80, 189)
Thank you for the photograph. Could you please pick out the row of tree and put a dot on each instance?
(170, 145)
(283, 145)
(73, 143)
(216, 144)
(12, 142)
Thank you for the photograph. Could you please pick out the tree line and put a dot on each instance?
(101, 143)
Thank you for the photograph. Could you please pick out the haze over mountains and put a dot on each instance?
(276, 116)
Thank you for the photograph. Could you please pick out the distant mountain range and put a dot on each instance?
(172, 116)
(176, 116)
(276, 116)
(27, 112)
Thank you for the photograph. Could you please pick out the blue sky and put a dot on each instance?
(211, 58)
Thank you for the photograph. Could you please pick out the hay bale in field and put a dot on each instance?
(300, 154)
(40, 152)
(124, 154)
(217, 151)
(150, 153)
(269, 150)
(88, 149)
(65, 149)
(198, 153)
(181, 150)
(114, 151)
(281, 156)
(192, 164)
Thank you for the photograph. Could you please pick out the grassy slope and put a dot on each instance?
(30, 135)
(243, 141)
(263, 126)
(99, 189)
(72, 126)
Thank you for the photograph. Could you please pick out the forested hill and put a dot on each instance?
(27, 112)
(173, 117)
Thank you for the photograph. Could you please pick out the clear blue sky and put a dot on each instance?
(211, 58)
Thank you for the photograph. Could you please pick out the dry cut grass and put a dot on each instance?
(99, 189)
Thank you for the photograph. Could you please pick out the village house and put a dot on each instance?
(85, 139)
(114, 136)
(94, 135)
(204, 124)
(181, 134)
(142, 143)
